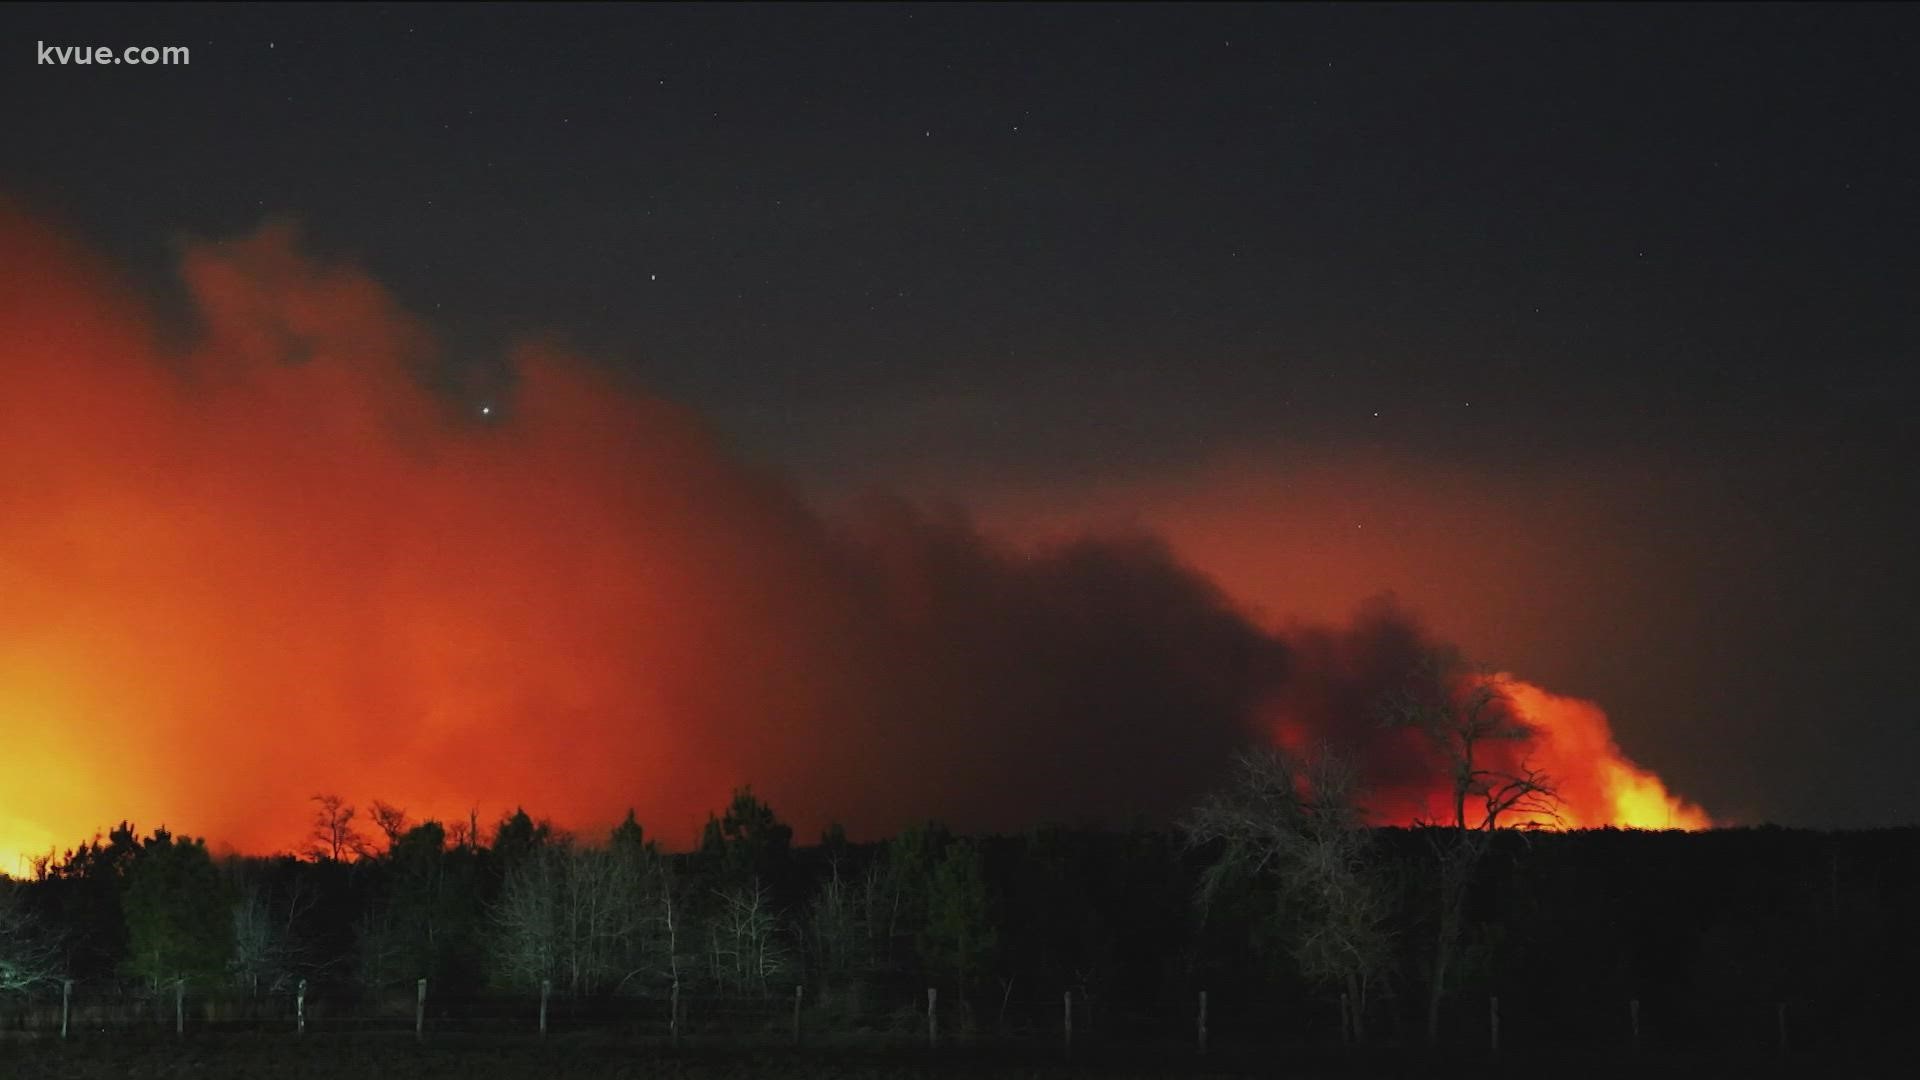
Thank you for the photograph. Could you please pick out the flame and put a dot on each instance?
(1597, 783)
(1331, 705)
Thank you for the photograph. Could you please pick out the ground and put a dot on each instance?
(471, 1057)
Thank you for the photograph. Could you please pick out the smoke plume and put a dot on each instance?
(280, 560)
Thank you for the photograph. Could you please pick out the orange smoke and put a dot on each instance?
(275, 562)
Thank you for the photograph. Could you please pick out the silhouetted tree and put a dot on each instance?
(178, 912)
(1297, 825)
(628, 834)
(834, 843)
(747, 844)
(427, 922)
(334, 837)
(1463, 716)
(391, 821)
(80, 896)
(518, 836)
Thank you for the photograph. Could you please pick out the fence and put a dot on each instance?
(1069, 1021)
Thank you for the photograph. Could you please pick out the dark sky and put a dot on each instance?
(1069, 254)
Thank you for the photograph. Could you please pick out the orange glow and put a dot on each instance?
(273, 563)
(1572, 744)
(1598, 785)
(1301, 537)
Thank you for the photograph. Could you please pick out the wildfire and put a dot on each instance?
(1597, 783)
(273, 562)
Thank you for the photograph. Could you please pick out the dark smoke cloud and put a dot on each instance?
(275, 563)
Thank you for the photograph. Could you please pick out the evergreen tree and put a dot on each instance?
(177, 911)
(518, 836)
(959, 938)
(748, 844)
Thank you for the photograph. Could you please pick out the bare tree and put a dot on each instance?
(745, 937)
(840, 924)
(465, 835)
(598, 907)
(392, 821)
(527, 926)
(334, 838)
(576, 915)
(1297, 825)
(672, 922)
(29, 956)
(263, 955)
(1464, 716)
(1460, 714)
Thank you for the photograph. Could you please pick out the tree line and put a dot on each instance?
(1272, 892)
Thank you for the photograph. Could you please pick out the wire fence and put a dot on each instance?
(890, 1018)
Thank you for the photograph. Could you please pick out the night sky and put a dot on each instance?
(1587, 332)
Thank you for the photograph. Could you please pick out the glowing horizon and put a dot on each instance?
(275, 563)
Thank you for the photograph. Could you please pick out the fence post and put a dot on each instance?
(420, 1011)
(797, 992)
(933, 1017)
(546, 987)
(1346, 1021)
(1780, 1011)
(300, 1008)
(180, 1007)
(673, 1020)
(1067, 1019)
(1493, 1023)
(1633, 1016)
(1203, 1023)
(66, 998)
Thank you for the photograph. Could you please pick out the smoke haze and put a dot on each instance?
(277, 561)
